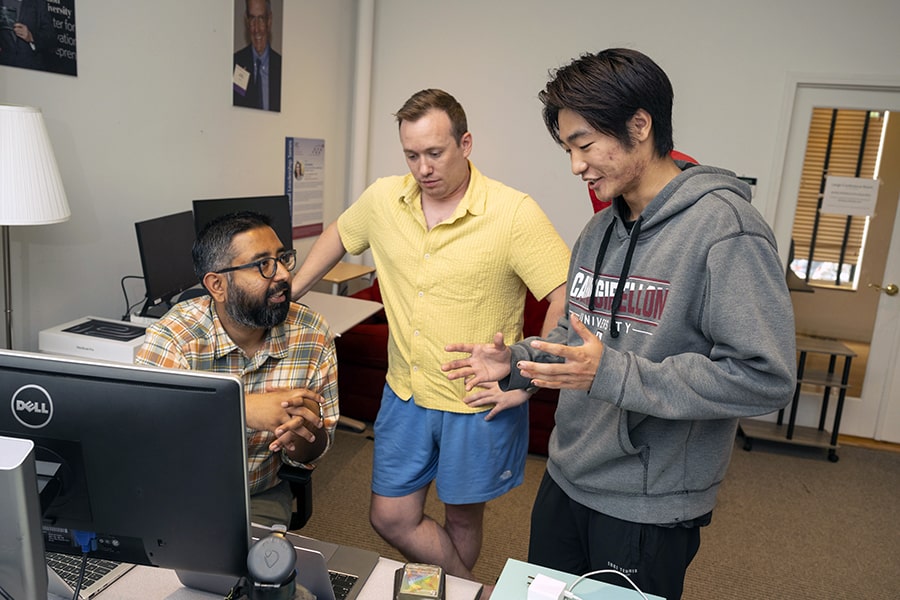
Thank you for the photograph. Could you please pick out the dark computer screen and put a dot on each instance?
(164, 244)
(153, 461)
(277, 208)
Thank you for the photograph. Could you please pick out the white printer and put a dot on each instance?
(94, 337)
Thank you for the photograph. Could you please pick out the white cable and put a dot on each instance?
(571, 596)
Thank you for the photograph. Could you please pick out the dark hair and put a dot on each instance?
(606, 89)
(434, 99)
(212, 249)
(247, 7)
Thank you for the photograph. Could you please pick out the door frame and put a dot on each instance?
(883, 374)
(780, 213)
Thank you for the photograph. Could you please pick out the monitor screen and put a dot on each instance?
(164, 245)
(277, 208)
(153, 461)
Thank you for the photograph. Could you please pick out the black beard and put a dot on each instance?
(249, 312)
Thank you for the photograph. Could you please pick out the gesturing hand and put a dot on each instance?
(490, 394)
(579, 368)
(486, 362)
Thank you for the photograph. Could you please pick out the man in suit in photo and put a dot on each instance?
(262, 89)
(27, 38)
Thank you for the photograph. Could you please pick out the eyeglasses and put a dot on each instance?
(268, 266)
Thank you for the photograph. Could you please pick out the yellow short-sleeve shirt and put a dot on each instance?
(462, 281)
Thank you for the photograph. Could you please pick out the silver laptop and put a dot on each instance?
(63, 569)
(330, 571)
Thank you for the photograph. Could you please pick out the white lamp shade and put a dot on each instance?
(31, 191)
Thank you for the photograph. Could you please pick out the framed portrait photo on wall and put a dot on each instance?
(256, 76)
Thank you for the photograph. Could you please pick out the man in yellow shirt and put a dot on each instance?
(455, 252)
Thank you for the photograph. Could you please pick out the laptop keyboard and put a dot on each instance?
(68, 566)
(341, 583)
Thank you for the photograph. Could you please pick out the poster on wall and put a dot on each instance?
(304, 183)
(39, 35)
(256, 75)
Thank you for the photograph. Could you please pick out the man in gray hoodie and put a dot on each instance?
(679, 322)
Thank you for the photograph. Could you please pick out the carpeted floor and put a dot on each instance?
(789, 523)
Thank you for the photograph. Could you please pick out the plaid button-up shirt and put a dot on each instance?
(299, 353)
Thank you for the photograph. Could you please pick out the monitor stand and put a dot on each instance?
(23, 571)
(155, 311)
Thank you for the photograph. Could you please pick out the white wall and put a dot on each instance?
(147, 126)
(728, 63)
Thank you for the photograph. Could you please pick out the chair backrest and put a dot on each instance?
(535, 312)
(300, 481)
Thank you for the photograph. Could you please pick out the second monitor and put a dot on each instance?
(164, 245)
(277, 208)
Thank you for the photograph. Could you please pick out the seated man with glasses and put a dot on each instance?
(248, 326)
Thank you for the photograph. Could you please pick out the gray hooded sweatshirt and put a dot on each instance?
(698, 327)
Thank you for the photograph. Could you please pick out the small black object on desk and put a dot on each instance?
(272, 572)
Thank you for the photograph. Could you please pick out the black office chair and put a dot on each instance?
(300, 481)
(194, 292)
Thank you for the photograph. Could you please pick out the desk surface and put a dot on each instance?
(341, 312)
(148, 583)
(513, 584)
(344, 271)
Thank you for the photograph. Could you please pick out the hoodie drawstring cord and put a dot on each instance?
(623, 276)
(601, 254)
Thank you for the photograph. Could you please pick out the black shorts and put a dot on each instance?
(573, 538)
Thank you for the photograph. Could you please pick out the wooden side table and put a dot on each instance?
(809, 436)
(343, 272)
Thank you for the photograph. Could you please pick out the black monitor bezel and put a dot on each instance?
(164, 247)
(277, 208)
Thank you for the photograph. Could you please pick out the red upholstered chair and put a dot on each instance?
(362, 362)
(542, 405)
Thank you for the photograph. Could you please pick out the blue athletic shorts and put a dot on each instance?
(473, 460)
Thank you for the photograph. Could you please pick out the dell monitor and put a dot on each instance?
(164, 245)
(152, 462)
(277, 208)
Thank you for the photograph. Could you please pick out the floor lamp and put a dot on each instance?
(31, 191)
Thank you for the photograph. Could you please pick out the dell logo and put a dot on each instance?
(32, 406)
